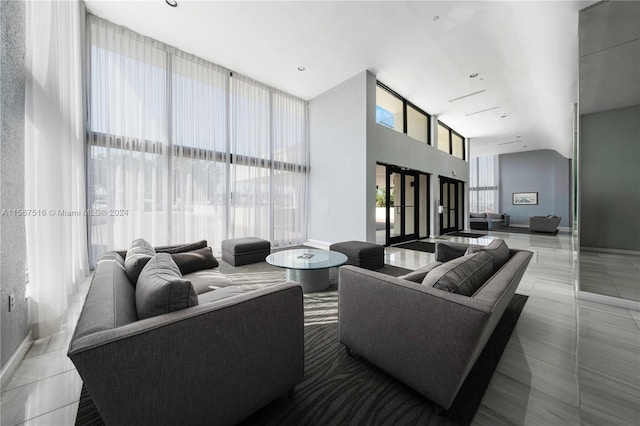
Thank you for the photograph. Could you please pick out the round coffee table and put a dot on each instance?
(309, 267)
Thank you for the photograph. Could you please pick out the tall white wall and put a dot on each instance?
(338, 154)
(345, 145)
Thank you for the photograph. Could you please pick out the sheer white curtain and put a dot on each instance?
(129, 142)
(200, 159)
(183, 150)
(251, 148)
(484, 192)
(54, 159)
(290, 150)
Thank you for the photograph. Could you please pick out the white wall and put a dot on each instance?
(345, 145)
(338, 153)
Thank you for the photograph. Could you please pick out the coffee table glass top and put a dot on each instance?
(306, 259)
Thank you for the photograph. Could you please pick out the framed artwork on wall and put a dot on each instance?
(525, 198)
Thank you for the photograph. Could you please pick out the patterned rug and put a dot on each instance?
(341, 390)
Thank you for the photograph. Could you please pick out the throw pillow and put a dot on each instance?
(195, 260)
(182, 248)
(498, 250)
(446, 252)
(464, 275)
(161, 288)
(136, 258)
(418, 275)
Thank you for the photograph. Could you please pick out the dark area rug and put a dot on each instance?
(466, 234)
(342, 390)
(418, 246)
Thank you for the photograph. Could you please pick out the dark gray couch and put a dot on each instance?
(488, 221)
(214, 363)
(548, 224)
(426, 337)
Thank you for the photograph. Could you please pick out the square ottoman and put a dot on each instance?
(242, 251)
(360, 253)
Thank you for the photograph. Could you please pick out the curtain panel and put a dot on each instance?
(54, 160)
(181, 149)
(484, 177)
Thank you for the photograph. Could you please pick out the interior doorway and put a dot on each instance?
(451, 206)
(402, 199)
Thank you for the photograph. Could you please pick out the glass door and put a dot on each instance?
(450, 205)
(402, 202)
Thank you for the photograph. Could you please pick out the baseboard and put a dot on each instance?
(610, 250)
(12, 365)
(609, 300)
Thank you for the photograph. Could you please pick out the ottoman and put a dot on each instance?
(360, 253)
(242, 251)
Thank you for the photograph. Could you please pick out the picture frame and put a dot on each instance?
(524, 198)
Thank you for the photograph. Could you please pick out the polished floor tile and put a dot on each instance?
(568, 361)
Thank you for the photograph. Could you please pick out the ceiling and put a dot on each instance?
(525, 55)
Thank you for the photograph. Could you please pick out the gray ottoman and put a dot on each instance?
(242, 251)
(360, 253)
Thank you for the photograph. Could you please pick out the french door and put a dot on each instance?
(451, 205)
(402, 202)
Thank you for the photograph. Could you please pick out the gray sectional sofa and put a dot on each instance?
(428, 328)
(488, 221)
(173, 349)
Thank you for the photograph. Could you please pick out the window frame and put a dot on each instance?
(406, 103)
(451, 132)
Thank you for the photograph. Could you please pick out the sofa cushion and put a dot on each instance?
(161, 288)
(195, 260)
(446, 252)
(182, 248)
(137, 257)
(219, 294)
(203, 280)
(496, 216)
(464, 275)
(497, 249)
(418, 275)
(478, 215)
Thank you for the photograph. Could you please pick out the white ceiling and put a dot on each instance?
(526, 55)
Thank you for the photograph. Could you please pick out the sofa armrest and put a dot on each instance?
(423, 336)
(212, 363)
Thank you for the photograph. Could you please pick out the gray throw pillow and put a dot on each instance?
(446, 252)
(161, 288)
(136, 258)
(464, 275)
(183, 248)
(418, 275)
(195, 260)
(498, 250)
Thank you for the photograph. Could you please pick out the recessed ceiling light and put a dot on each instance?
(435, 18)
(503, 115)
(525, 146)
(474, 75)
(301, 68)
(518, 136)
(172, 3)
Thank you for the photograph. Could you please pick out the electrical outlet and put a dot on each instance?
(12, 302)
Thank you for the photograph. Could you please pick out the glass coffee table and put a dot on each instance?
(309, 267)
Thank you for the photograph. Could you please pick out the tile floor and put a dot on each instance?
(568, 361)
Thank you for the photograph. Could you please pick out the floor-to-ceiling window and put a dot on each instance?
(181, 149)
(484, 195)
